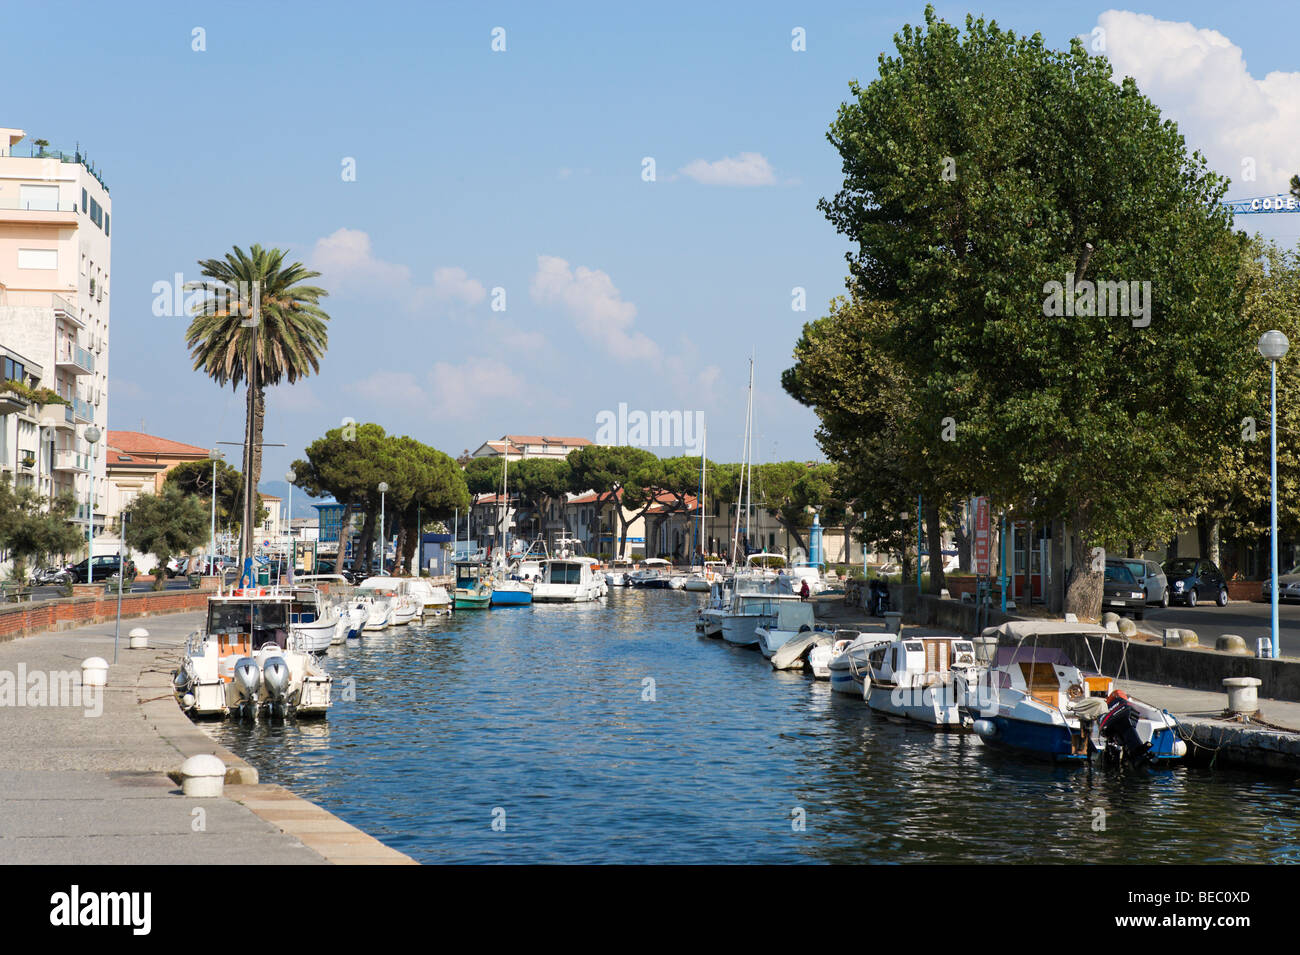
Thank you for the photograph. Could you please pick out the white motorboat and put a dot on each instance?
(247, 661)
(569, 580)
(709, 621)
(620, 569)
(917, 678)
(404, 605)
(1035, 700)
(793, 618)
(655, 574)
(335, 591)
(754, 603)
(848, 665)
(702, 580)
(314, 620)
(813, 574)
(432, 599)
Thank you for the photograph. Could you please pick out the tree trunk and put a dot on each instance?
(962, 538)
(344, 523)
(1056, 594)
(1083, 589)
(400, 563)
(1213, 534)
(934, 541)
(365, 558)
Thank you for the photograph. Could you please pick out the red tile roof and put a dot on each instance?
(137, 442)
(119, 459)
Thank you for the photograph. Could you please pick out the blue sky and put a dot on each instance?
(521, 170)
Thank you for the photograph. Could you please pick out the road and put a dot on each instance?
(176, 583)
(1248, 619)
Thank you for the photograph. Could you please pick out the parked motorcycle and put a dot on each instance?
(51, 576)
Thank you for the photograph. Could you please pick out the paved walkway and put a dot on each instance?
(86, 782)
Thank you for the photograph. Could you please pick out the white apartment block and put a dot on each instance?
(55, 258)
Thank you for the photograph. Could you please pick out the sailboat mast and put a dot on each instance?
(749, 454)
(704, 446)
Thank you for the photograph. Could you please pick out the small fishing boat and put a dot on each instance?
(473, 589)
(620, 569)
(793, 619)
(655, 574)
(1035, 700)
(511, 591)
(921, 678)
(849, 666)
(246, 661)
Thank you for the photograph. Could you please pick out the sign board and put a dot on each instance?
(982, 537)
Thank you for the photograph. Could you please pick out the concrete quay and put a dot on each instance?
(84, 771)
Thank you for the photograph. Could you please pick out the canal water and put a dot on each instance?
(612, 732)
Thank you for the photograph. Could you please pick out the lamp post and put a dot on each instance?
(290, 476)
(92, 438)
(383, 544)
(1273, 345)
(215, 455)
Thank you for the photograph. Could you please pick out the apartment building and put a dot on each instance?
(55, 263)
(515, 447)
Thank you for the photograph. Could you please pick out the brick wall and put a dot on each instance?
(25, 619)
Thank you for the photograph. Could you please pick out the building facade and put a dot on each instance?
(55, 265)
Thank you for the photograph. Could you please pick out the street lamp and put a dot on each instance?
(383, 545)
(92, 438)
(290, 476)
(215, 455)
(1273, 345)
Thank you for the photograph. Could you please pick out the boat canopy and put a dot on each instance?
(1006, 656)
(1023, 629)
(791, 616)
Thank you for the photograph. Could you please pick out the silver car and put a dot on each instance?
(1152, 579)
(1290, 587)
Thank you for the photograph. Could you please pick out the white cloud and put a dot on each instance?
(344, 258)
(465, 387)
(1199, 78)
(391, 387)
(452, 282)
(747, 169)
(595, 305)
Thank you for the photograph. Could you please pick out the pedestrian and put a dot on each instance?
(803, 590)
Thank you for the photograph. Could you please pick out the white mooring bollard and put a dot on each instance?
(94, 671)
(202, 776)
(138, 639)
(1243, 697)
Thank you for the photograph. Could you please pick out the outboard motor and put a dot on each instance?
(1119, 729)
(275, 674)
(248, 682)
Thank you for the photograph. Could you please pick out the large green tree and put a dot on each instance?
(33, 527)
(622, 477)
(291, 335)
(167, 523)
(990, 185)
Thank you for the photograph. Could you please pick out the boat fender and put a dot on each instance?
(805, 629)
(985, 728)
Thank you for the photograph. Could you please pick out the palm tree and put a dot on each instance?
(291, 337)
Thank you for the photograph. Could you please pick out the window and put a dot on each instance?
(38, 258)
(38, 197)
(106, 224)
(85, 206)
(96, 214)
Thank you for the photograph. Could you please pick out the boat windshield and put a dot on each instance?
(562, 572)
(242, 616)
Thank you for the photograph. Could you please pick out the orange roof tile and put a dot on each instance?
(137, 442)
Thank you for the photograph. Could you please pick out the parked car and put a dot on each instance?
(1121, 590)
(1290, 587)
(104, 567)
(1192, 579)
(1151, 577)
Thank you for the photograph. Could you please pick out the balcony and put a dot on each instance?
(72, 357)
(65, 309)
(11, 403)
(71, 461)
(81, 411)
(38, 213)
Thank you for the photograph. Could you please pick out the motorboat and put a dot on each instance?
(406, 605)
(247, 661)
(620, 569)
(797, 652)
(755, 600)
(473, 590)
(1033, 699)
(793, 618)
(569, 580)
(509, 589)
(433, 599)
(655, 574)
(848, 665)
(702, 580)
(315, 622)
(922, 678)
(335, 591)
